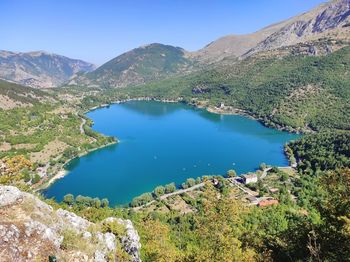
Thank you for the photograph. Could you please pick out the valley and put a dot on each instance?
(239, 151)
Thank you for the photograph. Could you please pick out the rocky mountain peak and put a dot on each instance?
(319, 22)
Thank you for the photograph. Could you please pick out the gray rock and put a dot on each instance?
(99, 256)
(131, 241)
(78, 223)
(9, 195)
(44, 231)
(109, 240)
(87, 235)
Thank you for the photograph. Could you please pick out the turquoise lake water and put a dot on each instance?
(167, 142)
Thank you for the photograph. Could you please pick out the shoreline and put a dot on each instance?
(62, 172)
(226, 110)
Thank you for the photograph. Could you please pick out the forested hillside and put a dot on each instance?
(301, 92)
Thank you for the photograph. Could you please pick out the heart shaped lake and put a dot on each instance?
(167, 142)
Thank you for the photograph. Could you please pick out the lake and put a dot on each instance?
(167, 142)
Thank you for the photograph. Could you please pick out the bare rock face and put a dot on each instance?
(330, 20)
(325, 21)
(31, 230)
(78, 223)
(131, 241)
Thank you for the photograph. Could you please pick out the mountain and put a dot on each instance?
(329, 20)
(320, 31)
(40, 69)
(299, 92)
(233, 45)
(138, 66)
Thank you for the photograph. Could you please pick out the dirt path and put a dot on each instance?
(177, 192)
(82, 126)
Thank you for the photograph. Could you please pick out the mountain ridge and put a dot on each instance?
(137, 66)
(326, 21)
(39, 69)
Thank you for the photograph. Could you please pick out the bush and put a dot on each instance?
(231, 173)
(113, 227)
(68, 199)
(104, 202)
(36, 179)
(170, 188)
(97, 202)
(184, 185)
(141, 200)
(159, 191)
(190, 182)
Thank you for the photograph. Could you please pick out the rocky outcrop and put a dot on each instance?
(31, 230)
(131, 241)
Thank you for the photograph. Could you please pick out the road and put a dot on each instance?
(82, 126)
(264, 174)
(244, 189)
(177, 192)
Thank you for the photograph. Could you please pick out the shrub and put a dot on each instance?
(231, 173)
(159, 191)
(68, 199)
(170, 188)
(113, 227)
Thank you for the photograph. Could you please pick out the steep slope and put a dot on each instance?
(39, 69)
(31, 230)
(299, 91)
(13, 95)
(233, 45)
(329, 20)
(137, 66)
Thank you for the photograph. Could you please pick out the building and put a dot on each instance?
(250, 178)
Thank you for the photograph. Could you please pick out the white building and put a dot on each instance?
(251, 178)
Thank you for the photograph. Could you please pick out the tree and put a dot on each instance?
(284, 177)
(104, 202)
(36, 179)
(218, 229)
(27, 177)
(263, 166)
(184, 185)
(170, 188)
(97, 202)
(190, 182)
(159, 191)
(83, 201)
(158, 245)
(68, 199)
(231, 173)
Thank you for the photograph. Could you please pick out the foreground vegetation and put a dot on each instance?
(222, 228)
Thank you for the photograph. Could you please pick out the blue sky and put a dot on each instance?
(98, 30)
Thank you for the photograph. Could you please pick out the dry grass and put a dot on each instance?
(50, 150)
